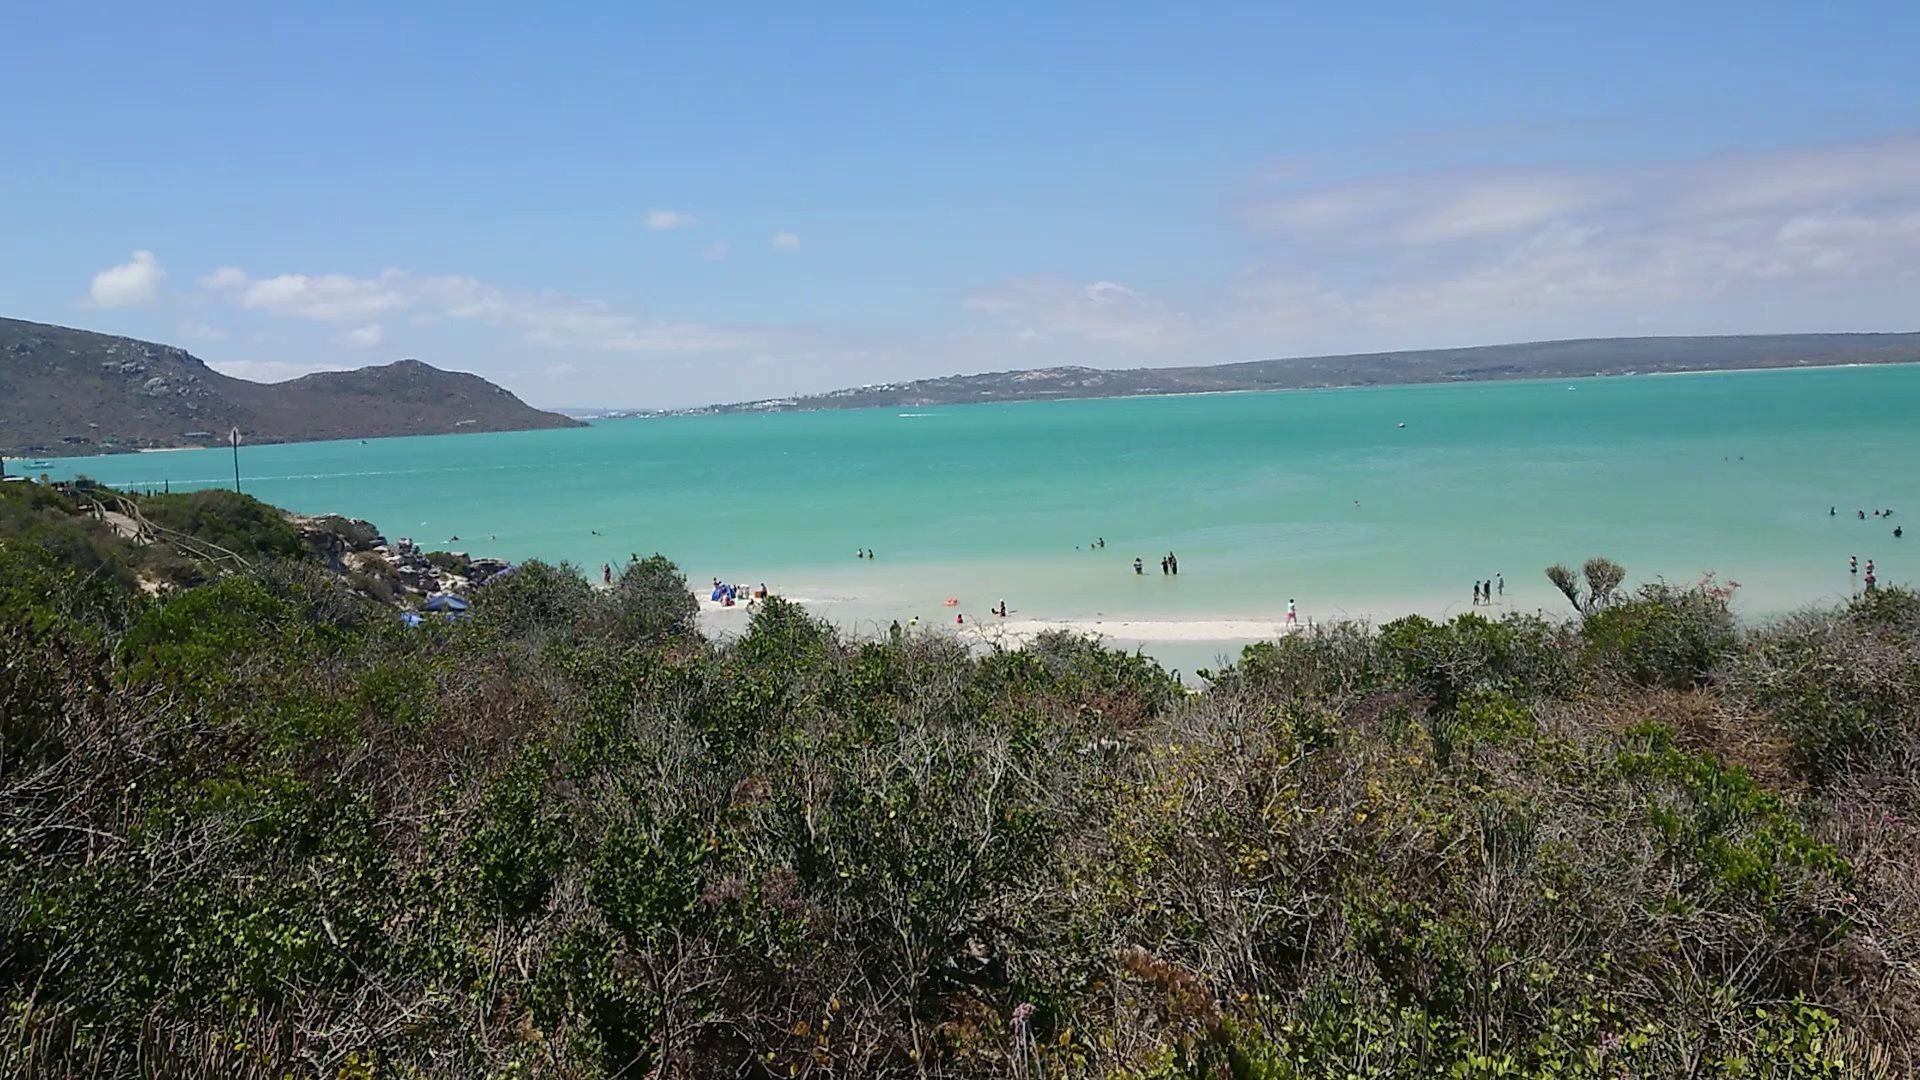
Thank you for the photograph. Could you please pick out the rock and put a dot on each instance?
(482, 569)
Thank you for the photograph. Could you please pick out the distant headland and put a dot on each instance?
(1578, 358)
(68, 392)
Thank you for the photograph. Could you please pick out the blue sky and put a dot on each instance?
(631, 205)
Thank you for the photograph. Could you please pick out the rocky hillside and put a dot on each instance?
(65, 391)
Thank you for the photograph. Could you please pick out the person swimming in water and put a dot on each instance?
(1897, 532)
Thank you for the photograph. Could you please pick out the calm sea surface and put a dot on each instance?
(1318, 496)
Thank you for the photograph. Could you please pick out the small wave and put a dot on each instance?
(916, 414)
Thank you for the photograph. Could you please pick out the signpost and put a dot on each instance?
(235, 436)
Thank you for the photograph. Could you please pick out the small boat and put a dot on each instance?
(40, 465)
(1403, 423)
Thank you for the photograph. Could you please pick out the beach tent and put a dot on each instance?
(411, 618)
(447, 602)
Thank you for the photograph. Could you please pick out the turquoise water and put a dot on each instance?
(1318, 496)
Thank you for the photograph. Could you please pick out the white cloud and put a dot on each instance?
(364, 337)
(545, 320)
(1429, 210)
(131, 284)
(665, 220)
(1103, 313)
(786, 241)
(1485, 248)
(192, 331)
(227, 277)
(326, 297)
(267, 370)
(716, 251)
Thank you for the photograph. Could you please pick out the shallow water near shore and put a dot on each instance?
(1317, 496)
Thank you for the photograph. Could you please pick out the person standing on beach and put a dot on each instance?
(1476, 594)
(1486, 590)
(606, 573)
(1500, 583)
(1293, 616)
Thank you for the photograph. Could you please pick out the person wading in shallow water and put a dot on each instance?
(1138, 566)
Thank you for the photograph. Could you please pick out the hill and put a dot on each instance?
(1530, 360)
(72, 391)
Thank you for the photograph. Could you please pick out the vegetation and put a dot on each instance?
(257, 827)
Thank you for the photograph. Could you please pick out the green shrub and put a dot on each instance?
(239, 523)
(534, 599)
(650, 602)
(1663, 637)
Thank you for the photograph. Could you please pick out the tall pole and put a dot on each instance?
(235, 436)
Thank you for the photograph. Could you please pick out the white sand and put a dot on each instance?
(1015, 632)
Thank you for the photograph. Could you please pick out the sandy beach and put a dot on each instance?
(1014, 633)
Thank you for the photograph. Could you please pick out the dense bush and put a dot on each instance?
(257, 828)
(649, 602)
(239, 523)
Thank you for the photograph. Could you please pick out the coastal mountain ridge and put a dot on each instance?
(1574, 358)
(65, 391)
